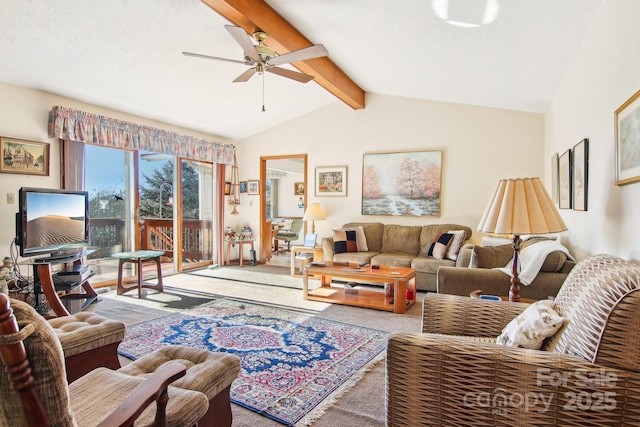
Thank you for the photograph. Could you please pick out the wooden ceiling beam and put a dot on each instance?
(257, 15)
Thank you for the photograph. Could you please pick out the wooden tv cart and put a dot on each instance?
(403, 279)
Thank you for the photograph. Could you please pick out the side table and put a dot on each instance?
(478, 294)
(138, 257)
(317, 256)
(240, 243)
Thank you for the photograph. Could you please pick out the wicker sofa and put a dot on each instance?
(399, 246)
(587, 373)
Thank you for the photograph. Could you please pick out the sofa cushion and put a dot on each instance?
(554, 262)
(355, 257)
(491, 256)
(439, 247)
(361, 238)
(392, 260)
(430, 265)
(456, 243)
(532, 326)
(401, 239)
(373, 232)
(344, 240)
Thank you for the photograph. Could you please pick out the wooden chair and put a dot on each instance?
(290, 235)
(34, 391)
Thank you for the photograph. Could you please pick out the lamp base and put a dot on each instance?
(514, 290)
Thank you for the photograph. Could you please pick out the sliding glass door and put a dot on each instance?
(140, 200)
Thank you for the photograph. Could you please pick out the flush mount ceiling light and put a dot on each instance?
(466, 13)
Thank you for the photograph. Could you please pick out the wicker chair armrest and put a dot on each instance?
(444, 380)
(458, 315)
(152, 389)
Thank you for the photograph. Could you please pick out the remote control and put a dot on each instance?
(362, 264)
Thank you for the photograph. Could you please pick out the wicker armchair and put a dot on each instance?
(588, 373)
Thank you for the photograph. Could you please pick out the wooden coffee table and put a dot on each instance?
(403, 279)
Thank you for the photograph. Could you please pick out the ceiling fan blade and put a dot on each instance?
(310, 52)
(243, 39)
(300, 77)
(245, 76)
(197, 55)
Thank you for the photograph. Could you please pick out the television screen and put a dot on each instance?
(52, 220)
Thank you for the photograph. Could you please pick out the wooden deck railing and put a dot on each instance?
(157, 234)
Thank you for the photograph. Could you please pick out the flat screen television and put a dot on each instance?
(52, 221)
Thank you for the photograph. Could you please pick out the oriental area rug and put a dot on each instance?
(293, 364)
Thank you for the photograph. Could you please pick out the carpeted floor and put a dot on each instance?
(361, 405)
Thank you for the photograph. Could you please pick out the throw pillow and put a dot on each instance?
(344, 241)
(456, 243)
(532, 326)
(361, 238)
(438, 248)
(491, 256)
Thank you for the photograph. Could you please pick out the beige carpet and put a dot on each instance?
(361, 405)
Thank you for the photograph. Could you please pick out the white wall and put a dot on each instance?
(24, 114)
(604, 74)
(480, 146)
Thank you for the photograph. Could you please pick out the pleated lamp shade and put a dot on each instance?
(521, 206)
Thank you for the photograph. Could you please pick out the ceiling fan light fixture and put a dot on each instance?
(466, 13)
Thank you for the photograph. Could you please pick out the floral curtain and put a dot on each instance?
(75, 125)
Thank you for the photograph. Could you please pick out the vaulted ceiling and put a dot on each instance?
(126, 55)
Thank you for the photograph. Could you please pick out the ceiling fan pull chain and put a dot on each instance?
(263, 110)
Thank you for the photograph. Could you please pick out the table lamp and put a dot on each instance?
(520, 206)
(314, 212)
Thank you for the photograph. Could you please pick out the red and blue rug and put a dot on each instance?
(291, 362)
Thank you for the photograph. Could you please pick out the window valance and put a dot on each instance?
(75, 125)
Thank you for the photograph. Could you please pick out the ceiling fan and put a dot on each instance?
(262, 58)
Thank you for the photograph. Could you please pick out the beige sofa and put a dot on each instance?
(399, 246)
(480, 274)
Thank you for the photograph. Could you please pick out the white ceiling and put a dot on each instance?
(126, 55)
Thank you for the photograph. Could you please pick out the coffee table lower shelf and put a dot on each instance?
(363, 298)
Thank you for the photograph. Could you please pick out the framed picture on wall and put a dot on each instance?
(243, 186)
(564, 180)
(554, 178)
(298, 189)
(404, 183)
(227, 188)
(627, 137)
(331, 181)
(24, 157)
(253, 187)
(580, 175)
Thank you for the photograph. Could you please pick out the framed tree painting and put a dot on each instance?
(564, 180)
(580, 174)
(404, 183)
(627, 136)
(25, 157)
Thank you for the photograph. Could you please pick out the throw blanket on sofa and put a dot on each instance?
(532, 257)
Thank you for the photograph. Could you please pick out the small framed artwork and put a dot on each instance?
(554, 178)
(298, 188)
(331, 181)
(580, 175)
(564, 180)
(243, 186)
(227, 188)
(627, 137)
(253, 187)
(25, 157)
